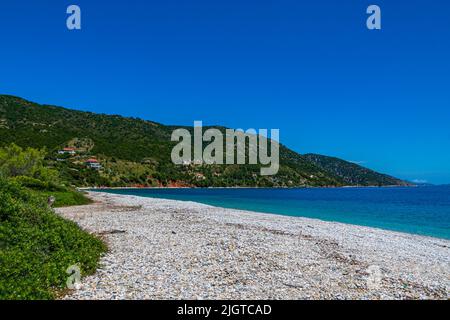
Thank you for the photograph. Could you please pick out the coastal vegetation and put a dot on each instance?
(36, 245)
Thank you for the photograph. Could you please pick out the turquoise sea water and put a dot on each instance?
(421, 210)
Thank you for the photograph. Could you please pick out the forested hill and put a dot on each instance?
(135, 152)
(351, 173)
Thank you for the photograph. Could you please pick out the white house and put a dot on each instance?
(93, 163)
(70, 151)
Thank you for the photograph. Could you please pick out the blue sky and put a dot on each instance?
(313, 70)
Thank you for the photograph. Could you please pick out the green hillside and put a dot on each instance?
(351, 173)
(135, 152)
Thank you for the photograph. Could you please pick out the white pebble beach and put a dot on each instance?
(167, 249)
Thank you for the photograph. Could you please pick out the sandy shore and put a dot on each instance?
(166, 249)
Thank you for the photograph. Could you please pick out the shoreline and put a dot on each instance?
(238, 187)
(173, 249)
(101, 190)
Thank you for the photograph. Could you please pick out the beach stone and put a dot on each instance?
(222, 253)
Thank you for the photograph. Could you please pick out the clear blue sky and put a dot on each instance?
(313, 70)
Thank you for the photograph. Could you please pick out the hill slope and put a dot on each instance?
(135, 152)
(351, 173)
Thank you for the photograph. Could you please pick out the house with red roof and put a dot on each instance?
(93, 163)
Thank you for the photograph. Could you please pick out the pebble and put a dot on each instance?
(222, 253)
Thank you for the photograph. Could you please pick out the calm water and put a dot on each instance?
(422, 210)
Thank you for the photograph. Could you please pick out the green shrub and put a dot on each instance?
(15, 161)
(37, 246)
(37, 184)
(64, 198)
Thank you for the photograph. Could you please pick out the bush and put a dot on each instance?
(37, 246)
(15, 161)
(43, 189)
(64, 198)
(37, 184)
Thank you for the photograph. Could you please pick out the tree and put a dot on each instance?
(15, 161)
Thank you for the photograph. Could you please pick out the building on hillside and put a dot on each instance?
(93, 163)
(70, 151)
